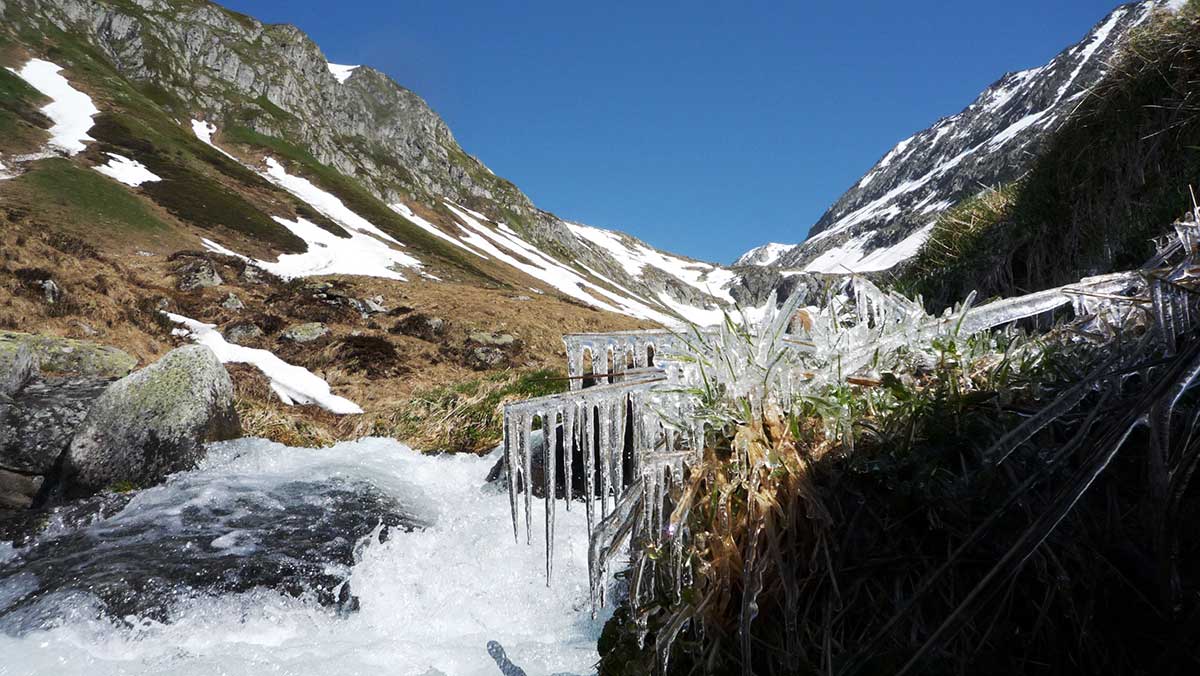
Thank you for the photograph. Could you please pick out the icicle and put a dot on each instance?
(589, 466)
(527, 473)
(569, 436)
(510, 444)
(549, 448)
(608, 537)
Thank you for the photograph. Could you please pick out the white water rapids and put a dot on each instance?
(430, 599)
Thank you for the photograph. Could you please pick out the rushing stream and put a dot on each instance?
(364, 558)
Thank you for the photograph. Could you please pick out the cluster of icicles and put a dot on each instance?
(634, 421)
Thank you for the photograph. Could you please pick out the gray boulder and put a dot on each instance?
(305, 333)
(64, 355)
(197, 273)
(38, 421)
(152, 423)
(243, 333)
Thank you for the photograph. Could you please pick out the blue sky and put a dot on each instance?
(705, 128)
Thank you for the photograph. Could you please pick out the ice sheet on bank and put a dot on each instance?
(293, 384)
(70, 110)
(340, 72)
(430, 599)
(127, 171)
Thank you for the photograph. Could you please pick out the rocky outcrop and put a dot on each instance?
(484, 350)
(152, 423)
(305, 333)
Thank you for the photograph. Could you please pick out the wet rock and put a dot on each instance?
(305, 333)
(233, 303)
(197, 273)
(65, 356)
(243, 333)
(17, 491)
(152, 423)
(38, 421)
(419, 325)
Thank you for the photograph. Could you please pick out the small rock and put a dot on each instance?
(197, 273)
(252, 274)
(51, 291)
(305, 333)
(233, 303)
(152, 423)
(421, 326)
(369, 306)
(522, 298)
(483, 358)
(162, 304)
(243, 333)
(501, 340)
(85, 328)
(17, 491)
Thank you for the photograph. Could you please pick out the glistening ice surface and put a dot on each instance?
(220, 572)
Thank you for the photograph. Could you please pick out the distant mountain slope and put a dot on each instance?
(885, 217)
(282, 116)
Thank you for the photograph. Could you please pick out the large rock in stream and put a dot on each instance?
(152, 423)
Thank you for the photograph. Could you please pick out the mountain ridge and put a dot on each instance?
(884, 217)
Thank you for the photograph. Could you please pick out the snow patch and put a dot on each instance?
(71, 110)
(293, 384)
(130, 172)
(852, 257)
(766, 254)
(204, 131)
(635, 257)
(432, 229)
(1098, 40)
(341, 73)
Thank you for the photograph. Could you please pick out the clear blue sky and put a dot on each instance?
(705, 128)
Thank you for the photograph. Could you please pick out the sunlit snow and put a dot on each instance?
(71, 110)
(127, 171)
(852, 256)
(340, 72)
(293, 384)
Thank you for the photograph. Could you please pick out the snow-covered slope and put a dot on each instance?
(885, 216)
(266, 97)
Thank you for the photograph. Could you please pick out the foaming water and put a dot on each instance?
(445, 580)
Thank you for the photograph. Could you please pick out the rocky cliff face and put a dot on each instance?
(883, 218)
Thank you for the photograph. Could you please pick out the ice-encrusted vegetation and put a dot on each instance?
(687, 449)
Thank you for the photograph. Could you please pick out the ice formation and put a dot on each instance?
(634, 420)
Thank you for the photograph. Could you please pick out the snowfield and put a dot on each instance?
(130, 172)
(293, 384)
(70, 110)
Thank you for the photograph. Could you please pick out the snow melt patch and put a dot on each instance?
(767, 254)
(293, 384)
(5, 172)
(504, 245)
(852, 257)
(130, 172)
(204, 131)
(71, 110)
(340, 72)
(635, 257)
(432, 229)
